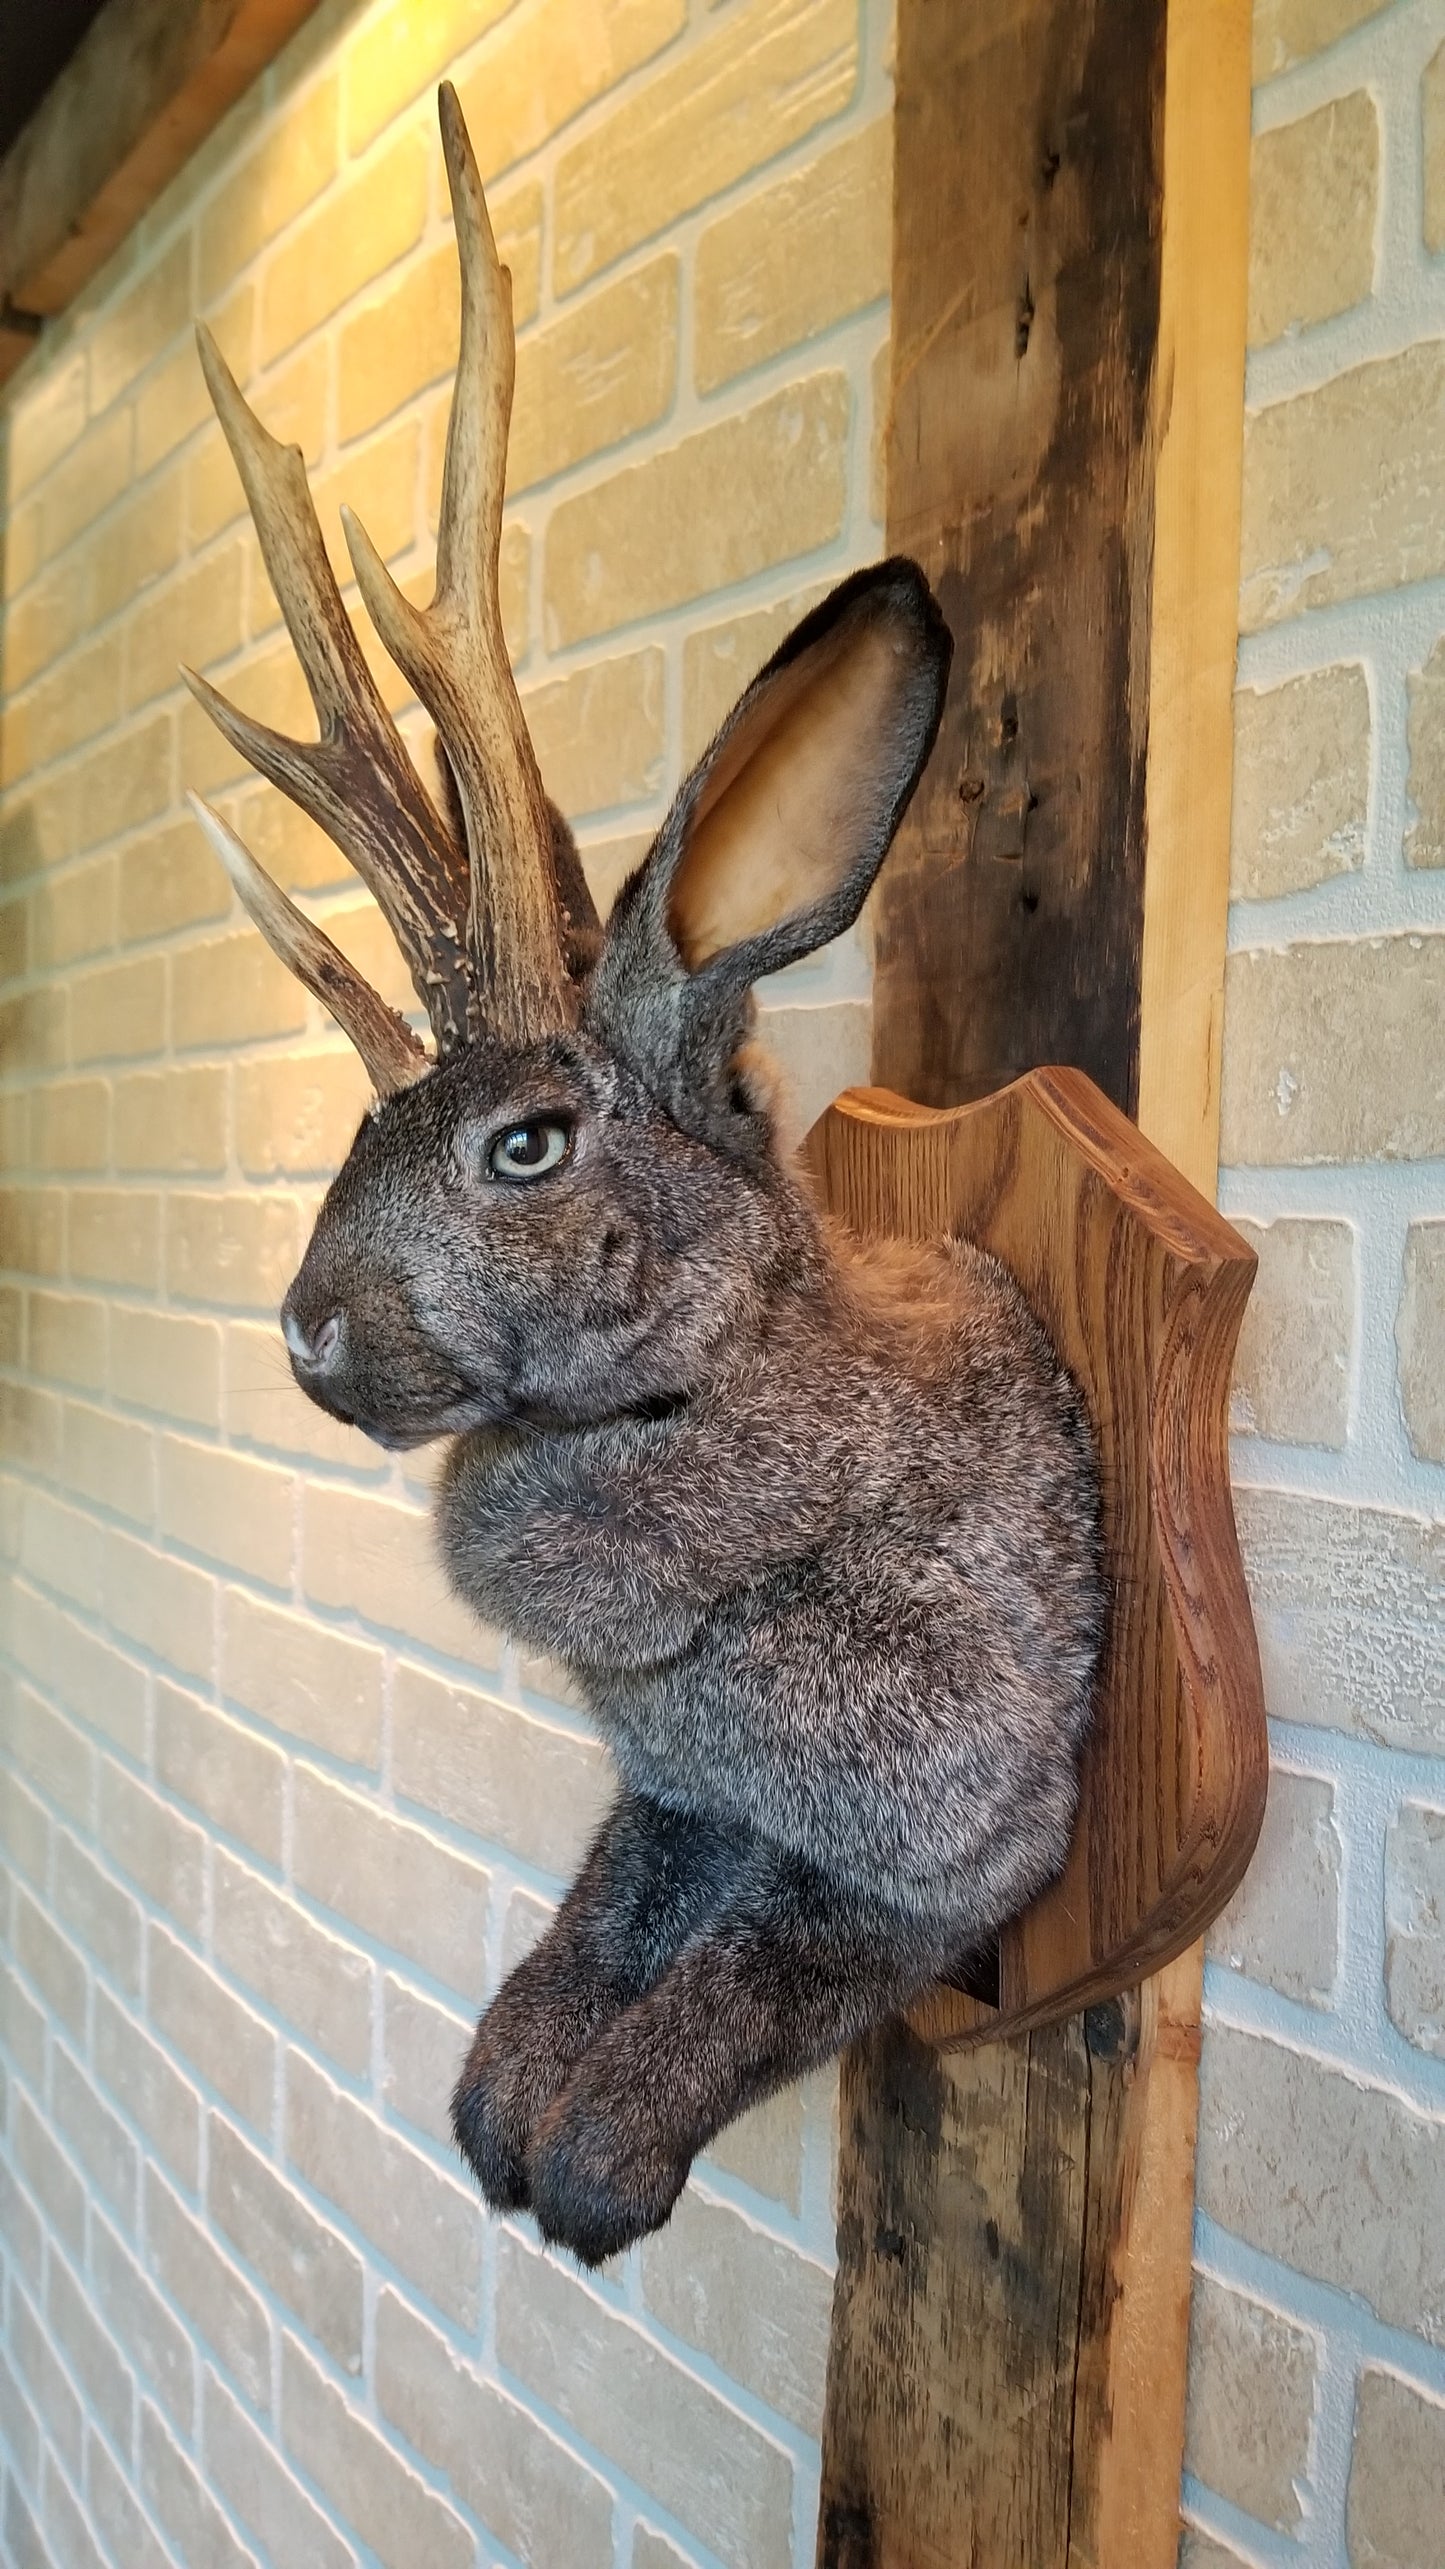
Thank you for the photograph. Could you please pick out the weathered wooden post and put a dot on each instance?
(1006, 2387)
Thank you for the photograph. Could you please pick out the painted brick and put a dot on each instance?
(46, 2380)
(196, 619)
(93, 474)
(136, 328)
(236, 1779)
(119, 1010)
(230, 990)
(230, 1250)
(391, 1879)
(1420, 1339)
(169, 879)
(102, 1918)
(794, 258)
(191, 2517)
(1349, 1604)
(397, 56)
(377, 1559)
(1397, 2468)
(323, 1687)
(149, 2088)
(98, 2141)
(817, 1050)
(160, 1361)
(21, 2431)
(117, 2513)
(55, 1971)
(65, 2527)
(114, 1237)
(1425, 835)
(297, 1968)
(49, 2175)
(652, 2550)
(45, 621)
(264, 1406)
(772, 72)
(1336, 1052)
(1282, 1925)
(596, 376)
(109, 1460)
(164, 1605)
(267, 2497)
(125, 782)
(1289, 31)
(1415, 1925)
(1343, 2181)
(46, 1748)
(139, 542)
(163, 1854)
(296, 1117)
(303, 2261)
(173, 401)
(86, 1673)
(198, 2279)
(93, 2359)
(73, 917)
(21, 2228)
(669, 529)
(538, 1790)
(600, 733)
(365, 224)
(750, 2302)
(519, 2480)
(1301, 782)
(1314, 188)
(67, 1339)
(63, 1549)
(138, 2318)
(68, 708)
(70, 1127)
(424, 2047)
(44, 420)
(270, 186)
(236, 1510)
(548, 61)
(25, 1831)
(1344, 488)
(361, 2475)
(22, 2534)
(597, 2371)
(423, 2222)
(222, 2039)
(171, 1121)
(34, 1228)
(406, 339)
(1432, 122)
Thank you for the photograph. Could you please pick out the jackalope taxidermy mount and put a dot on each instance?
(815, 1528)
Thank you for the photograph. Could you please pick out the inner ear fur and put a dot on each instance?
(796, 803)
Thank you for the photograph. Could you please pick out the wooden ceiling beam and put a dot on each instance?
(143, 88)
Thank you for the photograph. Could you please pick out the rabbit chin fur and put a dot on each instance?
(814, 1526)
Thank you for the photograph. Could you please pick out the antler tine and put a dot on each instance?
(455, 653)
(357, 779)
(386, 1044)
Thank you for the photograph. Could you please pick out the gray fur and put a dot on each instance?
(814, 1526)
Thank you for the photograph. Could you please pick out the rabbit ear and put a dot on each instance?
(774, 840)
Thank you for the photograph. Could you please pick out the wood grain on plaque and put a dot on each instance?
(1141, 1284)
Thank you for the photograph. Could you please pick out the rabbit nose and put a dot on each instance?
(318, 1353)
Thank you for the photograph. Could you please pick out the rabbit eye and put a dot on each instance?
(528, 1150)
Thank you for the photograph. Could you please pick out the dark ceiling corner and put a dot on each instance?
(37, 39)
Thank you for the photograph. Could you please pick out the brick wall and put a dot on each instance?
(1317, 2414)
(275, 1817)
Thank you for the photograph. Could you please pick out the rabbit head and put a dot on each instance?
(554, 1219)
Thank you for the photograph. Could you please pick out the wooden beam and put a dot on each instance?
(144, 87)
(1007, 2374)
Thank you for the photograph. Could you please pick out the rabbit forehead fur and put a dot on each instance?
(465, 1299)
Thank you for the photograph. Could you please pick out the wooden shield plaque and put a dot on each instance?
(1141, 1284)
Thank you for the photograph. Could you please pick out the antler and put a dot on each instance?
(385, 1041)
(476, 916)
(454, 651)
